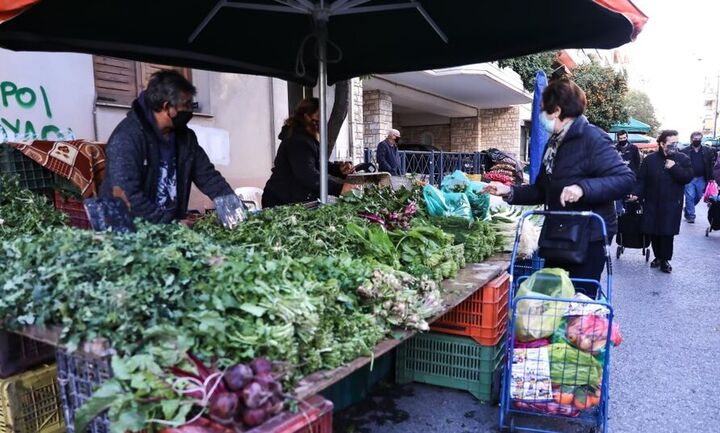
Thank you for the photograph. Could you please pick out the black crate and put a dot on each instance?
(31, 174)
(18, 353)
(79, 375)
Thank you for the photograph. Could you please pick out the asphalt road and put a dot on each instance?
(665, 377)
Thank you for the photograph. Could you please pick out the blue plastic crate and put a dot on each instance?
(527, 267)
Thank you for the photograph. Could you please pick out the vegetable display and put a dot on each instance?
(193, 313)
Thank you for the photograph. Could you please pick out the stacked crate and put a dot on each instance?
(465, 348)
(29, 397)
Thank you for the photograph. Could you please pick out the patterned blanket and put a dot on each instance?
(81, 162)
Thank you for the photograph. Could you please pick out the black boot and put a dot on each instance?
(665, 267)
(655, 263)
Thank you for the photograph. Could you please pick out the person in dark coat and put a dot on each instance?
(631, 156)
(388, 156)
(152, 157)
(702, 159)
(660, 186)
(581, 171)
(295, 176)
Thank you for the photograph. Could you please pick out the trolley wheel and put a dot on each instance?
(647, 256)
(619, 251)
(707, 232)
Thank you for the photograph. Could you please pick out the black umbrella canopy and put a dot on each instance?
(275, 37)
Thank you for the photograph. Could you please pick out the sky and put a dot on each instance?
(670, 60)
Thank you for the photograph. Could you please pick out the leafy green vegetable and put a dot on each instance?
(24, 212)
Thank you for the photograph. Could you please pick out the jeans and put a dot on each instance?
(693, 193)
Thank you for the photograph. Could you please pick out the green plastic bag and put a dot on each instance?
(479, 201)
(456, 182)
(434, 200)
(459, 183)
(539, 318)
(458, 205)
(570, 366)
(446, 204)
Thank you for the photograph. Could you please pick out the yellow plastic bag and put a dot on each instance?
(539, 318)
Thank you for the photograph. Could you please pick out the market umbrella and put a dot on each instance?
(538, 135)
(316, 41)
(632, 125)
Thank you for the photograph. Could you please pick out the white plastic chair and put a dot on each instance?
(250, 194)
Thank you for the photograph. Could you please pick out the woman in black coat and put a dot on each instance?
(581, 171)
(661, 187)
(296, 174)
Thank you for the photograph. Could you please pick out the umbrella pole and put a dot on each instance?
(322, 82)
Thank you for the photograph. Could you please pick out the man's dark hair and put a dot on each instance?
(622, 132)
(167, 86)
(696, 133)
(565, 94)
(662, 138)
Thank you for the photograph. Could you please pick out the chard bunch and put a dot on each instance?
(401, 299)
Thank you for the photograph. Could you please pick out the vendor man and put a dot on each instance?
(152, 155)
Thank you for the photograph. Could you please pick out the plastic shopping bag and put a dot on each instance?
(446, 204)
(456, 182)
(710, 191)
(458, 205)
(435, 201)
(540, 318)
(570, 366)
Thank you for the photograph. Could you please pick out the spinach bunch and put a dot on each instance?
(24, 212)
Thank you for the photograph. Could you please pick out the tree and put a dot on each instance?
(640, 107)
(606, 92)
(338, 114)
(528, 66)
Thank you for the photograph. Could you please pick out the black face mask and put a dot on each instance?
(181, 119)
(696, 143)
(623, 143)
(397, 140)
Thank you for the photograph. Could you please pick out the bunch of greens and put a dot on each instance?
(479, 238)
(24, 212)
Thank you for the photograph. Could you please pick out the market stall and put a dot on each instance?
(365, 253)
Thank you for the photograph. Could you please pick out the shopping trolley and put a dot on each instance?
(562, 375)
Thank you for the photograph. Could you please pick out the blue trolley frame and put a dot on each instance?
(596, 422)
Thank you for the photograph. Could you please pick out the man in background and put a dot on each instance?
(702, 159)
(388, 156)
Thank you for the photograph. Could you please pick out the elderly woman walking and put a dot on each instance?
(581, 171)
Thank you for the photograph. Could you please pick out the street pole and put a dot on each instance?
(717, 100)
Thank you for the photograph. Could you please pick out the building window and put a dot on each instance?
(427, 138)
(296, 93)
(524, 141)
(119, 81)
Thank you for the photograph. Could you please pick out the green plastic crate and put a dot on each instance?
(358, 385)
(31, 174)
(452, 362)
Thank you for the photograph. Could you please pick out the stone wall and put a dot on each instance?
(357, 122)
(465, 133)
(440, 135)
(377, 117)
(501, 129)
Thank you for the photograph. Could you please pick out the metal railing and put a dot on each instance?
(433, 166)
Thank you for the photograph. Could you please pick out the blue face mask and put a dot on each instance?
(547, 123)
